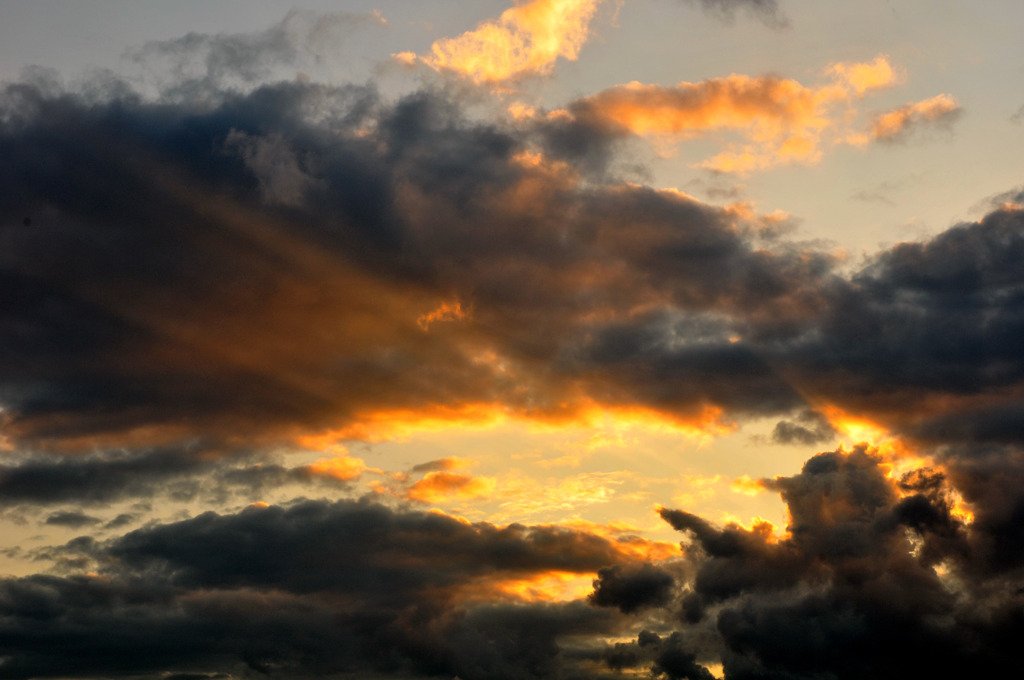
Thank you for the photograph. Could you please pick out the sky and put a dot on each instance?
(669, 339)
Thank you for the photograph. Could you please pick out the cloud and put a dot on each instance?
(765, 10)
(778, 120)
(310, 589)
(632, 587)
(438, 485)
(95, 479)
(343, 468)
(298, 296)
(225, 302)
(897, 125)
(283, 265)
(199, 61)
(809, 428)
(874, 571)
(442, 464)
(863, 77)
(526, 40)
(72, 520)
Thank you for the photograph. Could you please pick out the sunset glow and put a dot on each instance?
(511, 340)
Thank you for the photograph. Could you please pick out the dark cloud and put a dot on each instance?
(72, 520)
(251, 267)
(95, 479)
(184, 473)
(855, 589)
(310, 589)
(632, 587)
(809, 428)
(186, 282)
(263, 263)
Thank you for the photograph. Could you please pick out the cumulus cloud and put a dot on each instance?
(632, 587)
(876, 576)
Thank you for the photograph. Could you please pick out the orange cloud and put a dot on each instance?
(342, 468)
(747, 486)
(580, 410)
(448, 311)
(526, 40)
(442, 486)
(897, 123)
(862, 77)
(766, 103)
(550, 586)
(781, 119)
(778, 120)
(856, 429)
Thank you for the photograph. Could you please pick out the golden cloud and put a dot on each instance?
(342, 468)
(442, 486)
(778, 120)
(863, 77)
(526, 40)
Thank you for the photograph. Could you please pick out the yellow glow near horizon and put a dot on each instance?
(399, 424)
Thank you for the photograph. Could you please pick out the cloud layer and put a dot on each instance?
(197, 285)
(258, 270)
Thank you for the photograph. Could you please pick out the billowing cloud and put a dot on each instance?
(876, 576)
(632, 587)
(217, 298)
(199, 286)
(526, 40)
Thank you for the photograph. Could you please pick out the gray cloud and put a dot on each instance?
(72, 520)
(852, 590)
(188, 282)
(632, 587)
(809, 428)
(766, 11)
(202, 63)
(295, 592)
